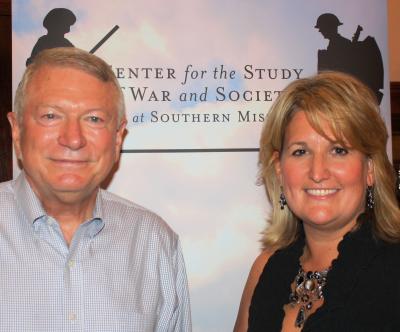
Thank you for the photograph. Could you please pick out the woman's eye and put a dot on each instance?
(340, 150)
(298, 152)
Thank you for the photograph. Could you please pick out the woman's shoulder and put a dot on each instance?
(251, 283)
(392, 255)
(260, 262)
(257, 269)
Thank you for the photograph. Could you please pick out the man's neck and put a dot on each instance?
(70, 215)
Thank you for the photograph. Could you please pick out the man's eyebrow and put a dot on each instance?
(46, 105)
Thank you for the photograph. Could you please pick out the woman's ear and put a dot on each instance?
(370, 172)
(277, 165)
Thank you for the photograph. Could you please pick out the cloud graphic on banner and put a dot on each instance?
(230, 209)
(151, 37)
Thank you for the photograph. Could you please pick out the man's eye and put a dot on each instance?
(49, 116)
(94, 119)
(298, 152)
(49, 119)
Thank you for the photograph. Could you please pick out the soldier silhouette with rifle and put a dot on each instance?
(362, 59)
(58, 22)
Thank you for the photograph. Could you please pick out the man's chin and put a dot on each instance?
(72, 184)
(73, 194)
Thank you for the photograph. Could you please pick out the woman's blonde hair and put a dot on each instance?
(353, 115)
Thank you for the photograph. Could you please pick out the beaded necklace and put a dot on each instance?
(307, 289)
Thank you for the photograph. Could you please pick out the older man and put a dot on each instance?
(74, 257)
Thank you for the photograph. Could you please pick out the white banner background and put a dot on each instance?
(209, 198)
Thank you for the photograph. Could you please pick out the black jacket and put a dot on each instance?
(362, 291)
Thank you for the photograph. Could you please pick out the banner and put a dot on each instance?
(199, 77)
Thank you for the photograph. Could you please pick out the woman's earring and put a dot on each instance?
(282, 201)
(370, 197)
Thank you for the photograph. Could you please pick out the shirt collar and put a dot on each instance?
(97, 223)
(33, 209)
(28, 201)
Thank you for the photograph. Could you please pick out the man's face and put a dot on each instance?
(68, 138)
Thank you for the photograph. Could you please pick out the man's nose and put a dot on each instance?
(72, 135)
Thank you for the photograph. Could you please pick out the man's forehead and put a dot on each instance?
(50, 83)
(59, 77)
(58, 69)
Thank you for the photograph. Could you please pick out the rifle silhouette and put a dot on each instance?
(356, 35)
(104, 39)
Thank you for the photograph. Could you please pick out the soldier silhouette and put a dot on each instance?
(57, 22)
(362, 59)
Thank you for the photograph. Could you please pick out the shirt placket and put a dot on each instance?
(72, 280)
(73, 290)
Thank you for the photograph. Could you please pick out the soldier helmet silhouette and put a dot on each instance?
(57, 23)
(59, 16)
(327, 20)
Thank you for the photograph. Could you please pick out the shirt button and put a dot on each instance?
(71, 263)
(72, 316)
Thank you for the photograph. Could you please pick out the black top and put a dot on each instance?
(362, 291)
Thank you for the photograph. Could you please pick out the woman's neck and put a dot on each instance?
(321, 247)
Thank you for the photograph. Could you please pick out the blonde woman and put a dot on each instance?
(331, 258)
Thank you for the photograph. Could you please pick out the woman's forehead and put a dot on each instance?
(318, 122)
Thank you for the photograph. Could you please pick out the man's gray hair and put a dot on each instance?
(69, 57)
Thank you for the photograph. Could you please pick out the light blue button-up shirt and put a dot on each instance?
(123, 270)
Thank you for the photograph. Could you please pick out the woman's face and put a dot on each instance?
(323, 181)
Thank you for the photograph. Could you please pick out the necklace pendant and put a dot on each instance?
(306, 289)
(301, 317)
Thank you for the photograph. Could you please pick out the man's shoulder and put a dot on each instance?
(117, 202)
(9, 202)
(6, 188)
(112, 198)
(131, 215)
(5, 185)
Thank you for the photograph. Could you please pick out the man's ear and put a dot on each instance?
(16, 132)
(277, 165)
(121, 132)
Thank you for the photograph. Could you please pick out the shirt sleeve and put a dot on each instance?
(181, 320)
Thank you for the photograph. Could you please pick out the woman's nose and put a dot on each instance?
(319, 168)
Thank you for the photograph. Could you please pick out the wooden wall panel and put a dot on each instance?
(395, 105)
(5, 90)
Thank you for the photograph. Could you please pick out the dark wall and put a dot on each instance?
(5, 90)
(395, 103)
